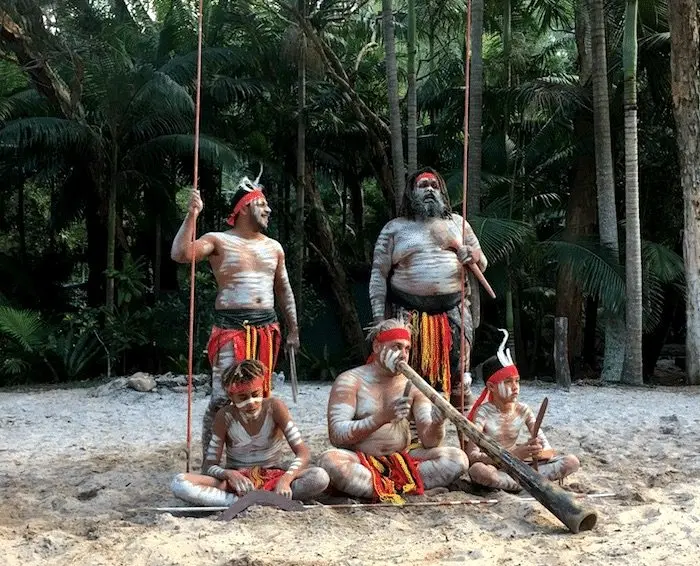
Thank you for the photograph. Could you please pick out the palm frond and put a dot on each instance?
(661, 261)
(162, 95)
(234, 90)
(499, 237)
(23, 104)
(211, 150)
(23, 327)
(594, 266)
(45, 134)
(182, 68)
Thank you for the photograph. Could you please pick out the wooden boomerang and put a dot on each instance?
(260, 497)
(538, 423)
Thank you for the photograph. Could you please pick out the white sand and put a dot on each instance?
(73, 462)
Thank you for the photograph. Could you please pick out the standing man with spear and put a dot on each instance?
(250, 273)
(418, 273)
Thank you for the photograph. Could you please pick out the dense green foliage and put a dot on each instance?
(130, 69)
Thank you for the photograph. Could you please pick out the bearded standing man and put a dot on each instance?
(250, 273)
(417, 273)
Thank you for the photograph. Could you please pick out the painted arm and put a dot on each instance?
(343, 430)
(470, 249)
(285, 298)
(474, 453)
(381, 266)
(182, 248)
(212, 461)
(547, 450)
(472, 241)
(283, 419)
(430, 422)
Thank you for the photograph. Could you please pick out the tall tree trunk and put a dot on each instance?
(157, 256)
(412, 106)
(21, 227)
(580, 221)
(633, 367)
(507, 33)
(392, 77)
(298, 272)
(581, 209)
(357, 208)
(607, 215)
(476, 96)
(96, 258)
(321, 240)
(684, 22)
(111, 227)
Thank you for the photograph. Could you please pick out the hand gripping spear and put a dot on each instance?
(558, 501)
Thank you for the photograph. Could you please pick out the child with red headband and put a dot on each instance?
(499, 415)
(256, 433)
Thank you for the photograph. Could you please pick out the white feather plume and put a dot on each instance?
(503, 352)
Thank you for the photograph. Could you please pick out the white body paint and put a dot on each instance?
(510, 429)
(200, 494)
(245, 270)
(267, 448)
(419, 257)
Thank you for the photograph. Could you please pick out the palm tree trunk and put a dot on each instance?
(581, 209)
(412, 110)
(580, 221)
(684, 22)
(357, 208)
(298, 272)
(392, 76)
(111, 228)
(476, 96)
(21, 226)
(507, 39)
(158, 256)
(633, 367)
(607, 215)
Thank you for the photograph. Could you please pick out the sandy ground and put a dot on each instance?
(74, 463)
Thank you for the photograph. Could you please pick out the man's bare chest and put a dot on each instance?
(424, 237)
(241, 255)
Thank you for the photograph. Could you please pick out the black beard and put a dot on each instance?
(428, 208)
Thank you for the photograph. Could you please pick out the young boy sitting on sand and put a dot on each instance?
(257, 433)
(499, 415)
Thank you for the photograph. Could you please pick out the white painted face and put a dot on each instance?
(427, 200)
(506, 391)
(261, 212)
(401, 349)
(249, 404)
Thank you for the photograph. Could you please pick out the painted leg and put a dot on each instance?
(218, 399)
(454, 317)
(346, 474)
(490, 476)
(559, 467)
(441, 466)
(201, 490)
(310, 483)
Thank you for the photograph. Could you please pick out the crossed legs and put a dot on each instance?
(439, 467)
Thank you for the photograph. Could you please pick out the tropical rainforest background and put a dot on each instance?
(574, 184)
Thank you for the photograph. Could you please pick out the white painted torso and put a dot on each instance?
(244, 270)
(267, 448)
(508, 429)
